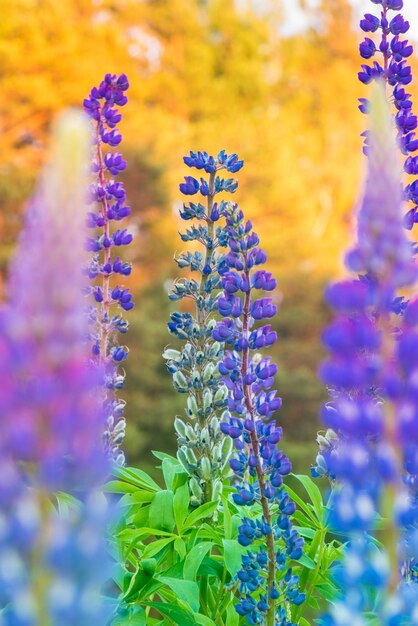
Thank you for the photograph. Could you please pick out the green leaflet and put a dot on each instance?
(174, 612)
(161, 513)
(194, 559)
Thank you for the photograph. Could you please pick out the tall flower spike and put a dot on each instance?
(108, 198)
(393, 68)
(52, 565)
(203, 450)
(369, 376)
(267, 585)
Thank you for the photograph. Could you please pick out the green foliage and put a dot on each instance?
(177, 563)
(321, 550)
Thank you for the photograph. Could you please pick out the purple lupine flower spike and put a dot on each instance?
(369, 374)
(203, 451)
(52, 566)
(109, 200)
(391, 53)
(259, 466)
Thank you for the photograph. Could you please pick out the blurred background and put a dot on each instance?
(274, 81)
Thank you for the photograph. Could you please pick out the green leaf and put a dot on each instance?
(163, 455)
(66, 503)
(161, 513)
(149, 566)
(307, 562)
(118, 486)
(210, 567)
(135, 583)
(156, 546)
(134, 533)
(180, 547)
(141, 517)
(313, 602)
(205, 510)
(136, 477)
(303, 520)
(305, 532)
(137, 497)
(232, 616)
(233, 552)
(327, 591)
(308, 517)
(169, 472)
(314, 493)
(194, 559)
(204, 620)
(136, 617)
(181, 505)
(227, 519)
(178, 615)
(185, 590)
(303, 622)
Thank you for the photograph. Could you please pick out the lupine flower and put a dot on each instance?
(109, 200)
(267, 585)
(393, 69)
(370, 371)
(52, 565)
(203, 449)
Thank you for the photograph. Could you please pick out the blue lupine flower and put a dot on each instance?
(110, 198)
(372, 358)
(395, 71)
(204, 451)
(251, 406)
(52, 565)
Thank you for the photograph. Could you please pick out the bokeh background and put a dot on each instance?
(274, 81)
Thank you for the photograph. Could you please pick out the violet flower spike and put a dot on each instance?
(51, 422)
(392, 52)
(369, 374)
(109, 200)
(267, 585)
(204, 451)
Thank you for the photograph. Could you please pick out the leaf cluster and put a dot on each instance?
(177, 564)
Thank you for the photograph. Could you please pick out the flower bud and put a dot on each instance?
(196, 489)
(192, 408)
(173, 355)
(180, 427)
(206, 468)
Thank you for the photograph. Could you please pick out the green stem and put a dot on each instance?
(271, 573)
(201, 313)
(313, 579)
(391, 533)
(41, 579)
